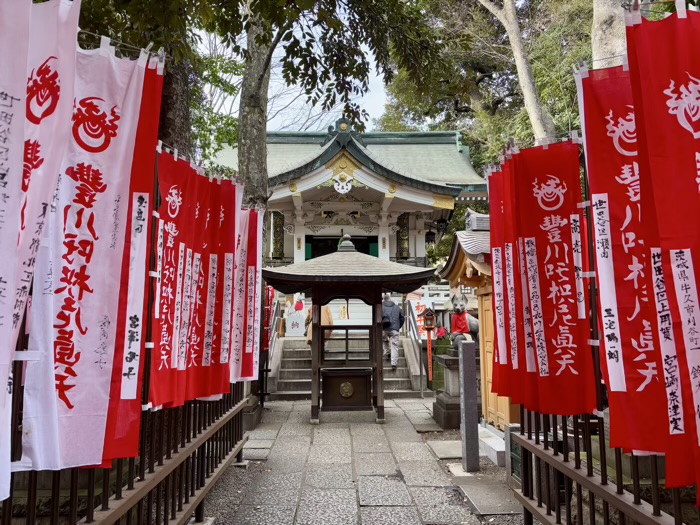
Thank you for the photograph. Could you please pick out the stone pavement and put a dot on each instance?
(346, 471)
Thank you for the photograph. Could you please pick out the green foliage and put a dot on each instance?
(326, 43)
(214, 125)
(477, 88)
(393, 119)
(177, 27)
(327, 46)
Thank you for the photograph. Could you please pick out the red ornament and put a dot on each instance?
(93, 127)
(43, 92)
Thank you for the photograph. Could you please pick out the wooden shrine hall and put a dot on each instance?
(341, 378)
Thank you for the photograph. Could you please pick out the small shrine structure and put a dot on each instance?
(346, 360)
(469, 265)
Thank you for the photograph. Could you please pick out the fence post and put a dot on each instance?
(469, 420)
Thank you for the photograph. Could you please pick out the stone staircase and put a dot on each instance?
(294, 380)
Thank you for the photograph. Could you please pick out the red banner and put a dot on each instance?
(639, 410)
(502, 384)
(665, 73)
(124, 418)
(523, 362)
(170, 260)
(195, 261)
(229, 218)
(549, 191)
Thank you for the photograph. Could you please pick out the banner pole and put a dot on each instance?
(592, 283)
(152, 266)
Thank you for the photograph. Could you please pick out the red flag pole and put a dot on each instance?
(430, 355)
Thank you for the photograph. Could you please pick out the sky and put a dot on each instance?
(373, 102)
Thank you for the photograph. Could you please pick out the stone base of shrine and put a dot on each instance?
(446, 411)
(252, 415)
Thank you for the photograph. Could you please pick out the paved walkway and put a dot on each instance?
(346, 471)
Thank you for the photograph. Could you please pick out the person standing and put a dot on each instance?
(392, 321)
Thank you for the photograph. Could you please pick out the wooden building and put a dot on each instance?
(390, 191)
(469, 265)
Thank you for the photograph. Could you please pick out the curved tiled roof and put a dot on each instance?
(433, 161)
(475, 242)
(347, 266)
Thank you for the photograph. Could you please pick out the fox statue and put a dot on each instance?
(462, 322)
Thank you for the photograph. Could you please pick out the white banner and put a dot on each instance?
(512, 315)
(240, 278)
(256, 272)
(608, 293)
(67, 392)
(14, 48)
(50, 93)
(135, 296)
(499, 302)
(689, 306)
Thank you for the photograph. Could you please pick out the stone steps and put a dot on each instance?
(305, 373)
(303, 395)
(295, 385)
(294, 379)
(296, 363)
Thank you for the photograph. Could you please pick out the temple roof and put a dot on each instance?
(470, 247)
(433, 161)
(347, 266)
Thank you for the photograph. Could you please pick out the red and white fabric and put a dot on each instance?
(644, 408)
(245, 345)
(229, 226)
(124, 419)
(549, 190)
(176, 189)
(14, 48)
(502, 384)
(523, 362)
(76, 292)
(47, 129)
(665, 78)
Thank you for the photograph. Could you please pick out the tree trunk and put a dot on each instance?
(252, 119)
(175, 130)
(540, 119)
(608, 34)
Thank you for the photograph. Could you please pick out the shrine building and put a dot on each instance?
(392, 192)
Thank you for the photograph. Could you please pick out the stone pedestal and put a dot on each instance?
(252, 414)
(446, 411)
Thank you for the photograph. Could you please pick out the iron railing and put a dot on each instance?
(567, 474)
(416, 342)
(270, 335)
(183, 451)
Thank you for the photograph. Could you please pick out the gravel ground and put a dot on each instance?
(445, 435)
(223, 500)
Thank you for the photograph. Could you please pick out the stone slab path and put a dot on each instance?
(346, 471)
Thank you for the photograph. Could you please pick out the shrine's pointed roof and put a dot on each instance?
(347, 266)
(430, 161)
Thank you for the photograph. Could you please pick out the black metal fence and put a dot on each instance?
(182, 453)
(567, 474)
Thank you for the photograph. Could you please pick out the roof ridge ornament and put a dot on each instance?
(346, 244)
(343, 132)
